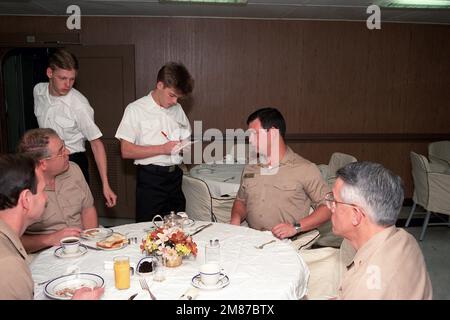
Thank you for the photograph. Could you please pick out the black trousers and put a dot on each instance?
(82, 161)
(158, 191)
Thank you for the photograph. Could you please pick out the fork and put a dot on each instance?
(144, 286)
(264, 244)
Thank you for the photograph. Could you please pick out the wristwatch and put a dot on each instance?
(297, 227)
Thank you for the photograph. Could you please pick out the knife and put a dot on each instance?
(132, 296)
(90, 247)
(201, 228)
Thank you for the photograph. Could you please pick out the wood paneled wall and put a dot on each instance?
(327, 78)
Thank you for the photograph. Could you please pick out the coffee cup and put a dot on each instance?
(70, 244)
(210, 274)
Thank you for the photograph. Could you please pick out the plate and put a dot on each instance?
(59, 252)
(123, 245)
(223, 282)
(96, 233)
(188, 223)
(204, 170)
(62, 288)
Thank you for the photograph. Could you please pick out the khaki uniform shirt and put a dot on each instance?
(16, 282)
(389, 266)
(283, 194)
(65, 204)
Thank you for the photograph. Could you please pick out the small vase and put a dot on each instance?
(174, 262)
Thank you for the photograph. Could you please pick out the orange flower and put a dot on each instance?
(164, 240)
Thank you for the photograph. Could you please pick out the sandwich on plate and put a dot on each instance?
(116, 240)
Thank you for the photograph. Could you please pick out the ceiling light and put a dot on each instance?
(413, 4)
(238, 2)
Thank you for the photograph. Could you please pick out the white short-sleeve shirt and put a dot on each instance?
(71, 116)
(142, 123)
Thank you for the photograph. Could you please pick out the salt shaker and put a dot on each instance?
(212, 252)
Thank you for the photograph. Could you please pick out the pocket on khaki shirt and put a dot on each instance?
(285, 191)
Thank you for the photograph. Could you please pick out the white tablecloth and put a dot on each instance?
(275, 272)
(221, 179)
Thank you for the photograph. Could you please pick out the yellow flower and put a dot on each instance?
(169, 243)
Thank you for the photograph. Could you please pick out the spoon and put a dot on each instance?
(264, 244)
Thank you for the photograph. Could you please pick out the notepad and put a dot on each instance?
(183, 145)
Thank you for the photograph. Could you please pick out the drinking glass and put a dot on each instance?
(122, 272)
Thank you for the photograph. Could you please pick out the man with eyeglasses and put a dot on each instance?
(70, 206)
(277, 194)
(388, 264)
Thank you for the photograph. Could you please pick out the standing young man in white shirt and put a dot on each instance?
(150, 129)
(59, 106)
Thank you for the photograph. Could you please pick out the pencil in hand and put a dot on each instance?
(165, 135)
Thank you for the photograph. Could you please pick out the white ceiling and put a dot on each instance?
(349, 10)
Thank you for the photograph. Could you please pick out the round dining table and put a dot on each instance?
(275, 272)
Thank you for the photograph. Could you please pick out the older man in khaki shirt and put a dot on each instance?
(70, 206)
(388, 264)
(278, 195)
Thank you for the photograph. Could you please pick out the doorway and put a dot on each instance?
(107, 79)
(22, 69)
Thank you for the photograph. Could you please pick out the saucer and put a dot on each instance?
(188, 223)
(204, 170)
(61, 254)
(196, 282)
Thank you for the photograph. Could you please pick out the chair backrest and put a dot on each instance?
(337, 161)
(439, 152)
(198, 199)
(420, 168)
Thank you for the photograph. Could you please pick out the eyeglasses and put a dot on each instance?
(332, 203)
(61, 152)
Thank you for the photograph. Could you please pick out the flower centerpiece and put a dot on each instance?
(170, 243)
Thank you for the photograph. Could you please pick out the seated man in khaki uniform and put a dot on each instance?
(278, 195)
(22, 202)
(388, 264)
(70, 206)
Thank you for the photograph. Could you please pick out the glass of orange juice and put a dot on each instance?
(122, 272)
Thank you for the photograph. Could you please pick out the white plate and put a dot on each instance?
(59, 252)
(204, 170)
(223, 282)
(124, 244)
(96, 233)
(62, 288)
(188, 223)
